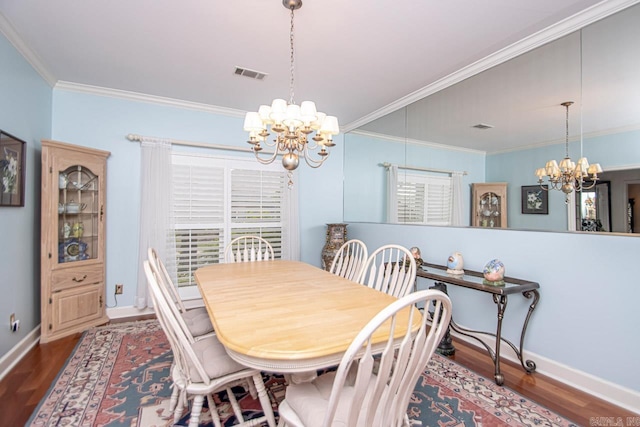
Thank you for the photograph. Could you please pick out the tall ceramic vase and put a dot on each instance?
(336, 236)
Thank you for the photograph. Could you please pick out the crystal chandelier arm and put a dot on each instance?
(268, 143)
(315, 163)
(311, 144)
(265, 160)
(306, 153)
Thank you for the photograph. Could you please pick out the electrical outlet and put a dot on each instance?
(14, 324)
(119, 287)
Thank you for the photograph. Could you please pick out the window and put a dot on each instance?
(216, 200)
(425, 199)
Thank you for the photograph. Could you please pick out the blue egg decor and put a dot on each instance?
(494, 273)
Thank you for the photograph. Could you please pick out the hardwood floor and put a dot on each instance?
(575, 405)
(29, 380)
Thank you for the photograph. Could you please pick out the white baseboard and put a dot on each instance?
(128, 311)
(131, 311)
(13, 356)
(588, 383)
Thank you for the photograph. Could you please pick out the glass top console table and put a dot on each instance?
(474, 280)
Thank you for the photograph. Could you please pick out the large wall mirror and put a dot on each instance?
(503, 123)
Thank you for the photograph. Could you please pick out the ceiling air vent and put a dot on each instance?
(482, 126)
(252, 74)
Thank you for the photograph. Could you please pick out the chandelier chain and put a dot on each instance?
(566, 137)
(292, 59)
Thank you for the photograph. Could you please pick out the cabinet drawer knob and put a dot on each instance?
(75, 279)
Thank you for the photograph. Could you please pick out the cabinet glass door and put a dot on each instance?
(489, 210)
(79, 214)
(489, 205)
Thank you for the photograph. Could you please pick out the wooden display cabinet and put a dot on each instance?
(489, 204)
(73, 239)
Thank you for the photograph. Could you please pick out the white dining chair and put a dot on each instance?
(195, 320)
(248, 249)
(372, 385)
(203, 367)
(349, 260)
(390, 269)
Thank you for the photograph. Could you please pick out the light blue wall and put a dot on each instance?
(25, 112)
(587, 317)
(365, 194)
(320, 196)
(614, 151)
(103, 122)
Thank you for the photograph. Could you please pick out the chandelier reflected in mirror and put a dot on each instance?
(569, 176)
(293, 125)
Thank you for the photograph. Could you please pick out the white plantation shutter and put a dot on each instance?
(258, 205)
(425, 199)
(216, 200)
(198, 209)
(411, 199)
(439, 201)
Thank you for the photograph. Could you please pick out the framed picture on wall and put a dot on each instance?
(12, 168)
(535, 199)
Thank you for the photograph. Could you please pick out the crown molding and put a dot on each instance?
(10, 33)
(151, 99)
(574, 138)
(403, 141)
(549, 34)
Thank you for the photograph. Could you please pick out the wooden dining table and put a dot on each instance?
(289, 316)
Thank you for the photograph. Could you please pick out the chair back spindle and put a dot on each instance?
(390, 269)
(349, 260)
(374, 383)
(248, 249)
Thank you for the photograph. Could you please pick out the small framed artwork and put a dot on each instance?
(535, 199)
(12, 165)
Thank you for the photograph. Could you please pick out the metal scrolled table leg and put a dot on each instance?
(529, 365)
(501, 302)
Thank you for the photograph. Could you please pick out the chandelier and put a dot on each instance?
(292, 124)
(568, 176)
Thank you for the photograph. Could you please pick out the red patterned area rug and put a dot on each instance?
(118, 375)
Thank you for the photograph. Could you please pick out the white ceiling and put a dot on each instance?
(353, 58)
(598, 68)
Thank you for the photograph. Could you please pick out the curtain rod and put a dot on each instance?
(139, 138)
(387, 165)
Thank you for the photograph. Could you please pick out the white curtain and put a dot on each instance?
(155, 212)
(456, 187)
(392, 194)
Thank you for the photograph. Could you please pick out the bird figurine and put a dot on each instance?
(455, 263)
